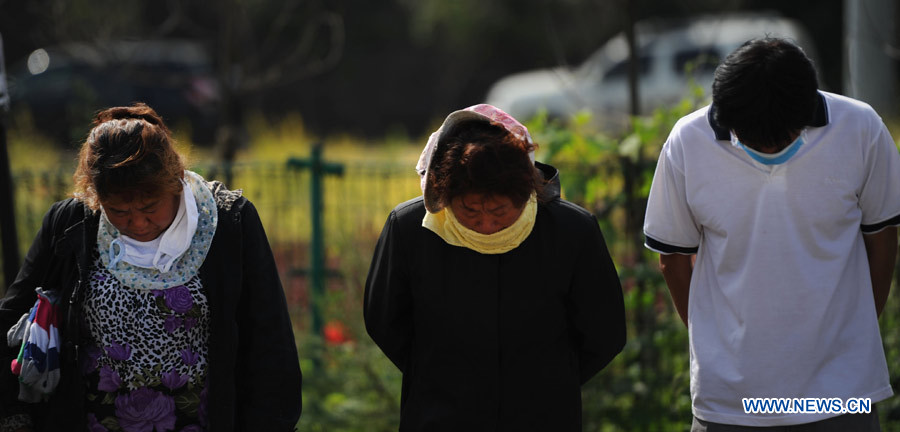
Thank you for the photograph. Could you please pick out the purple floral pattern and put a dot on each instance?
(172, 323)
(173, 380)
(94, 425)
(179, 299)
(178, 306)
(117, 351)
(109, 380)
(145, 361)
(89, 360)
(144, 410)
(189, 357)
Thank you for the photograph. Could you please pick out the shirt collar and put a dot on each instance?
(820, 118)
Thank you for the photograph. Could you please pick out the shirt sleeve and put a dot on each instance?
(669, 225)
(17, 300)
(596, 306)
(269, 379)
(388, 298)
(879, 196)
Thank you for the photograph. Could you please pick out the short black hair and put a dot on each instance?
(764, 91)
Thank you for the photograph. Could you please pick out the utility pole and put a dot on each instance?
(871, 53)
(631, 168)
(8, 235)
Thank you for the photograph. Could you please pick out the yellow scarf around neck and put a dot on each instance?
(445, 225)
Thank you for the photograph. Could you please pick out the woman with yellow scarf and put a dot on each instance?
(494, 297)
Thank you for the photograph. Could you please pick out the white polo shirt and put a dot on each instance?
(781, 302)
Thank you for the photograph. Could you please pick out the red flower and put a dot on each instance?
(335, 333)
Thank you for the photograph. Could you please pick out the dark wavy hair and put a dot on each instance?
(128, 153)
(478, 157)
(764, 91)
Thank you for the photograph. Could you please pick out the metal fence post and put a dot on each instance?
(318, 169)
(317, 244)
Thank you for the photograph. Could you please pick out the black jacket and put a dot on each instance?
(495, 342)
(254, 373)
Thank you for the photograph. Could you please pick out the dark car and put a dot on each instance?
(63, 86)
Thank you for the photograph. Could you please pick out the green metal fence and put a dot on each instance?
(322, 218)
(355, 199)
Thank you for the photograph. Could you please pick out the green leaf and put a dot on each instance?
(161, 304)
(188, 402)
(111, 423)
(334, 400)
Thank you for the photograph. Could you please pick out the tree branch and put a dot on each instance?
(300, 64)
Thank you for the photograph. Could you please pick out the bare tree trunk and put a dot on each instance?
(7, 203)
(7, 212)
(248, 63)
(230, 134)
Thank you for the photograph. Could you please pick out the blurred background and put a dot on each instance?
(318, 111)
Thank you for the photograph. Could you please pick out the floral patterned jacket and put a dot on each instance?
(254, 373)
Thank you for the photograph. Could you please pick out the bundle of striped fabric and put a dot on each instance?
(37, 335)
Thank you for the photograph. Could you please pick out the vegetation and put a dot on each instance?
(348, 384)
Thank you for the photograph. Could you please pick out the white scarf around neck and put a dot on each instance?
(161, 252)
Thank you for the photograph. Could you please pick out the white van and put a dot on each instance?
(666, 51)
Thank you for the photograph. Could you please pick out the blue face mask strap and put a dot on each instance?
(764, 159)
(115, 257)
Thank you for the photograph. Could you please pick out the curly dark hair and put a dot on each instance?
(128, 153)
(479, 157)
(764, 91)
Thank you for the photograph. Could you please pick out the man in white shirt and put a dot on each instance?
(774, 211)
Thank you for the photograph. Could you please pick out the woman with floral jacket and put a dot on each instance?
(170, 312)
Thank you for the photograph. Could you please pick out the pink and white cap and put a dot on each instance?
(480, 112)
